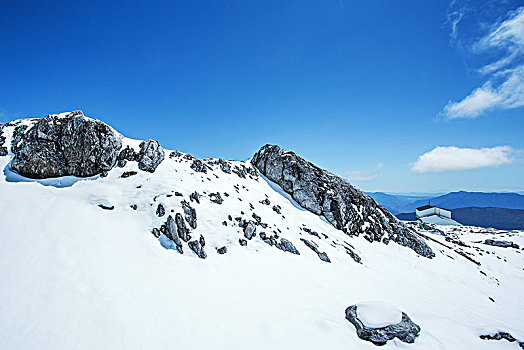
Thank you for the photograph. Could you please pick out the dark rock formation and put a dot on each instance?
(222, 250)
(195, 196)
(172, 233)
(150, 156)
(198, 249)
(189, 214)
(128, 154)
(287, 246)
(502, 244)
(65, 145)
(277, 209)
(406, 330)
(311, 245)
(199, 166)
(502, 335)
(160, 211)
(249, 230)
(326, 194)
(106, 207)
(265, 201)
(182, 230)
(127, 174)
(242, 242)
(216, 198)
(3, 150)
(224, 166)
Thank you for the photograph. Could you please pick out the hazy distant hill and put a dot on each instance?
(500, 218)
(462, 199)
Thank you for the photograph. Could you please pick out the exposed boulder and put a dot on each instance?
(195, 196)
(216, 198)
(333, 197)
(198, 249)
(127, 174)
(222, 250)
(406, 330)
(311, 245)
(249, 230)
(3, 150)
(182, 230)
(160, 210)
(171, 232)
(128, 154)
(189, 214)
(502, 244)
(150, 156)
(199, 166)
(61, 145)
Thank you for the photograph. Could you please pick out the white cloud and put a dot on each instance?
(507, 95)
(360, 175)
(504, 89)
(451, 159)
(363, 175)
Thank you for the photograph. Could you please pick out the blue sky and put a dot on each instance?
(395, 95)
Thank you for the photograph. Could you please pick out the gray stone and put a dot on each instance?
(224, 166)
(172, 233)
(287, 246)
(195, 196)
(160, 211)
(150, 156)
(127, 174)
(222, 250)
(333, 197)
(182, 230)
(249, 230)
(189, 214)
(65, 145)
(406, 330)
(216, 198)
(242, 242)
(199, 166)
(502, 244)
(198, 249)
(322, 255)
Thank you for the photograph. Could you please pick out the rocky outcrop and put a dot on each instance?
(311, 245)
(189, 214)
(150, 156)
(340, 203)
(502, 244)
(3, 150)
(406, 330)
(60, 145)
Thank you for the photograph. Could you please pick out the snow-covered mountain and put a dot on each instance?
(109, 242)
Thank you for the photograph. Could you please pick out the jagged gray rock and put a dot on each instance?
(311, 245)
(333, 197)
(160, 211)
(249, 230)
(197, 248)
(199, 166)
(3, 150)
(65, 145)
(287, 246)
(150, 156)
(189, 214)
(222, 250)
(502, 244)
(171, 232)
(406, 330)
(216, 198)
(195, 196)
(182, 230)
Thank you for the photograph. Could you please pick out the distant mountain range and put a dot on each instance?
(499, 218)
(462, 199)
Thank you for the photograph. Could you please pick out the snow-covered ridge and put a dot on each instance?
(86, 266)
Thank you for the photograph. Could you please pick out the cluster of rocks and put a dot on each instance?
(314, 247)
(284, 244)
(71, 144)
(340, 203)
(406, 330)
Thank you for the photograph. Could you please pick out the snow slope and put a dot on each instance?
(77, 276)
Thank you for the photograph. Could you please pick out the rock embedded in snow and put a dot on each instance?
(502, 244)
(172, 233)
(61, 145)
(379, 323)
(3, 150)
(333, 197)
(249, 229)
(216, 198)
(311, 245)
(182, 230)
(160, 211)
(195, 196)
(222, 250)
(127, 174)
(199, 166)
(150, 156)
(189, 214)
(198, 249)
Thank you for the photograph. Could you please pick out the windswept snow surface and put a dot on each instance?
(378, 315)
(76, 276)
